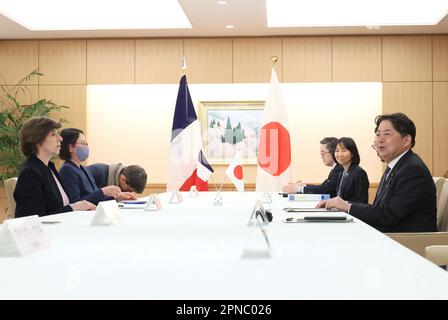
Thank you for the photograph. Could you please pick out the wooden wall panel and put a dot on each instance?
(407, 58)
(415, 100)
(62, 61)
(17, 60)
(252, 59)
(356, 59)
(208, 60)
(158, 61)
(307, 59)
(72, 96)
(440, 129)
(440, 58)
(110, 61)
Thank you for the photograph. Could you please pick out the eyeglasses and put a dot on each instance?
(83, 143)
(324, 153)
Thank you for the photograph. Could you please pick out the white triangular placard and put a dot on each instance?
(153, 203)
(267, 198)
(107, 214)
(175, 197)
(194, 193)
(257, 245)
(258, 208)
(21, 236)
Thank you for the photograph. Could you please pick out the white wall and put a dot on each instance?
(132, 123)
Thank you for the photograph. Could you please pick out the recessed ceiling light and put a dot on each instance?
(221, 2)
(325, 13)
(96, 14)
(229, 26)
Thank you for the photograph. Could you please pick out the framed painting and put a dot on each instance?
(228, 127)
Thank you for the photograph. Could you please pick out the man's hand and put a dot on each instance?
(337, 203)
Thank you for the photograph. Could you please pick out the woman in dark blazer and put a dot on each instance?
(79, 182)
(353, 183)
(39, 190)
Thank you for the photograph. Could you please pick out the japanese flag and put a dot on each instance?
(235, 172)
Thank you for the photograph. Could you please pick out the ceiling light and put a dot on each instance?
(96, 14)
(229, 26)
(221, 2)
(325, 13)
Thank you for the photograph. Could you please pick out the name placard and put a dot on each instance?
(153, 203)
(22, 236)
(107, 214)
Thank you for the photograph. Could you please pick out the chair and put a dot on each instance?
(442, 208)
(438, 181)
(10, 185)
(418, 241)
(437, 254)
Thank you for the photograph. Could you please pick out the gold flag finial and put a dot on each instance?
(274, 60)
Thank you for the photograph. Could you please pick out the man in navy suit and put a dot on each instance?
(327, 147)
(406, 197)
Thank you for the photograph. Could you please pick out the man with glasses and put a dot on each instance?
(327, 147)
(406, 197)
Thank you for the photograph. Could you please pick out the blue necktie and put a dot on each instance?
(341, 184)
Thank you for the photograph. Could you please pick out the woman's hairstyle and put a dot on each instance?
(69, 136)
(350, 145)
(34, 132)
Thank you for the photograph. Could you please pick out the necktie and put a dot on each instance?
(382, 185)
(341, 184)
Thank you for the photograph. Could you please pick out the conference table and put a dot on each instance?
(194, 250)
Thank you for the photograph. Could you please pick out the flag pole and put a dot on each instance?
(274, 60)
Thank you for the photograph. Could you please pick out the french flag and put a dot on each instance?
(188, 166)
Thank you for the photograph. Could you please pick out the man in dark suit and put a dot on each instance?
(327, 147)
(406, 197)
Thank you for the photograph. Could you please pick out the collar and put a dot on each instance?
(392, 164)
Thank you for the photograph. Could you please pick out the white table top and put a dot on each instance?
(193, 250)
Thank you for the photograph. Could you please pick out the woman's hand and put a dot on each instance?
(111, 191)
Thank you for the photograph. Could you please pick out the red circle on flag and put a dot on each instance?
(238, 172)
(274, 151)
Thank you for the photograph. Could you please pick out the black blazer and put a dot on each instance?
(329, 185)
(355, 186)
(36, 191)
(80, 184)
(407, 202)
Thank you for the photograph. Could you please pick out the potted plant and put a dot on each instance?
(13, 114)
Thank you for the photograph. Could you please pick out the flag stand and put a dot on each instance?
(218, 199)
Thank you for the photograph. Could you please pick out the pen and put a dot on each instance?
(134, 202)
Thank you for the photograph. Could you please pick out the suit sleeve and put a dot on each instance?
(70, 179)
(327, 187)
(406, 196)
(30, 197)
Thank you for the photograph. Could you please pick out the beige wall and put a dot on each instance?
(413, 69)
